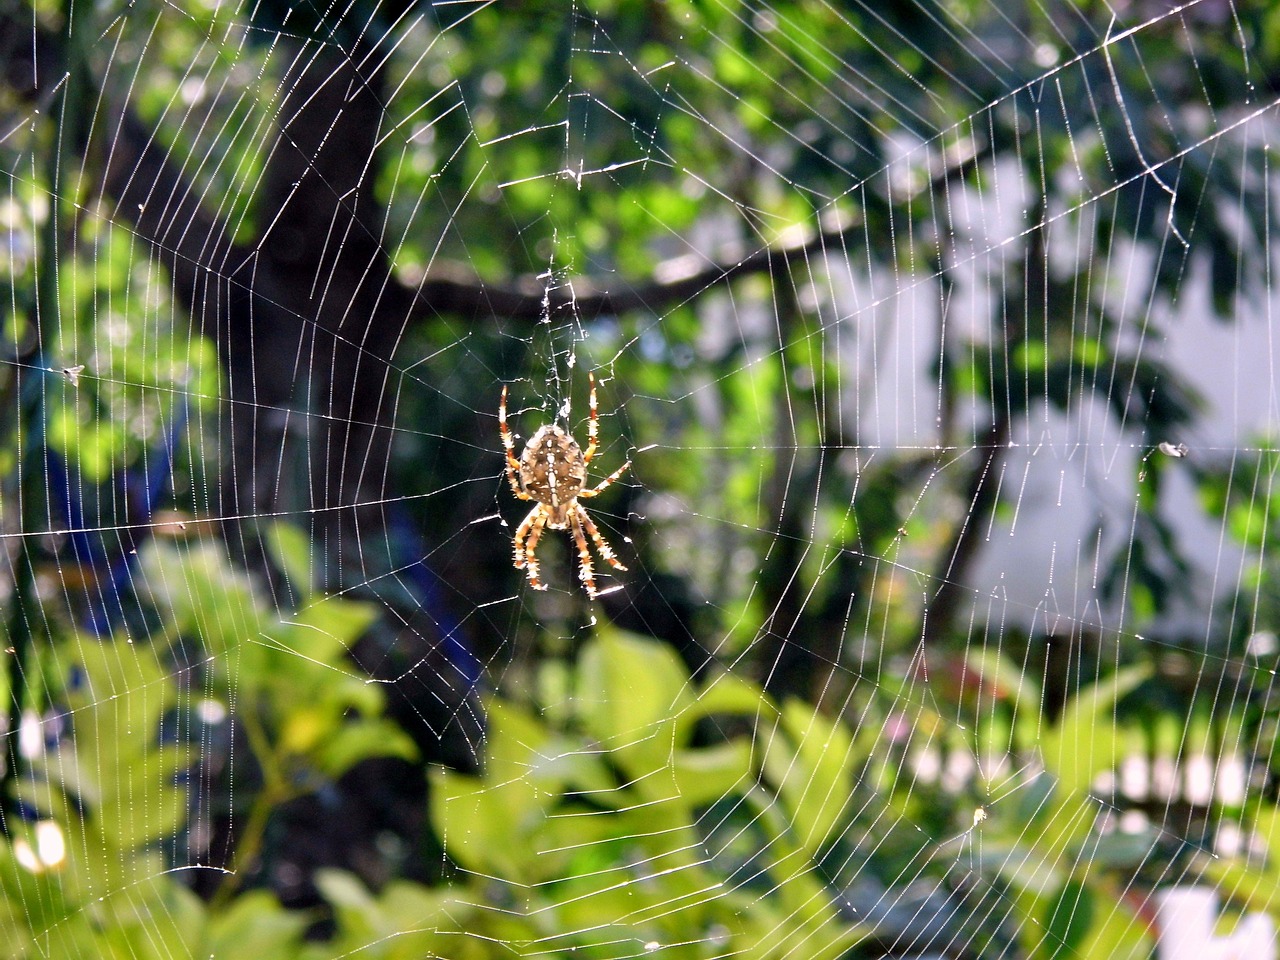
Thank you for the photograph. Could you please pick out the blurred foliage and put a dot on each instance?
(622, 806)
(113, 812)
(597, 829)
(607, 141)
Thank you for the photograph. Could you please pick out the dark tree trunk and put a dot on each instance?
(319, 356)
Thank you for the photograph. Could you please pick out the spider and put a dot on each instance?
(553, 471)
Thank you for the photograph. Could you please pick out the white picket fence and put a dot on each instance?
(1185, 917)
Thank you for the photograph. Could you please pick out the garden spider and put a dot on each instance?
(553, 471)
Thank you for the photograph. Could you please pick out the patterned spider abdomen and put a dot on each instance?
(553, 471)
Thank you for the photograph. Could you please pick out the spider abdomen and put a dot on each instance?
(553, 471)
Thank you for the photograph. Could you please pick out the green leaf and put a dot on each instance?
(254, 926)
(630, 689)
(1006, 679)
(1088, 352)
(1067, 921)
(1087, 740)
(704, 775)
(359, 740)
(132, 820)
(725, 694)
(516, 742)
(1030, 355)
(354, 906)
(327, 628)
(1266, 827)
(291, 550)
(200, 594)
(486, 827)
(729, 693)
(151, 919)
(1117, 932)
(810, 768)
(44, 901)
(486, 823)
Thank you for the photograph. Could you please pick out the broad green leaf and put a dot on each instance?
(1088, 352)
(1086, 740)
(802, 893)
(706, 774)
(44, 899)
(133, 819)
(555, 692)
(486, 826)
(1266, 826)
(1067, 921)
(407, 905)
(254, 926)
(327, 628)
(204, 596)
(630, 689)
(810, 769)
(725, 693)
(515, 742)
(580, 843)
(291, 550)
(153, 919)
(1030, 355)
(1250, 881)
(1259, 889)
(76, 936)
(358, 740)
(355, 907)
(1116, 933)
(1010, 681)
(563, 766)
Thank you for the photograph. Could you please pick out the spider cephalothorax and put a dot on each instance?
(552, 470)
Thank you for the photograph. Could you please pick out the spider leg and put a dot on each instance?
(509, 444)
(598, 539)
(530, 554)
(606, 483)
(593, 423)
(522, 533)
(585, 573)
(526, 550)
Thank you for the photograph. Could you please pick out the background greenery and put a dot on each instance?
(267, 691)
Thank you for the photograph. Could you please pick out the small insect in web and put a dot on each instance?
(552, 470)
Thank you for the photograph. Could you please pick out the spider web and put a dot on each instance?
(940, 344)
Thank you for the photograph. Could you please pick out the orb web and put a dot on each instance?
(938, 341)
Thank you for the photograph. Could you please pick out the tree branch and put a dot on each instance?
(452, 289)
(154, 196)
